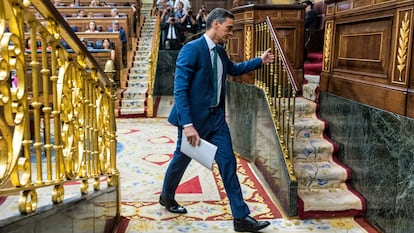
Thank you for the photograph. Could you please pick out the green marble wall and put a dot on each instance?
(378, 146)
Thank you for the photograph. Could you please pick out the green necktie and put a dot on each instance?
(215, 75)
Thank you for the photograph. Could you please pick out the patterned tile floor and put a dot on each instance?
(145, 148)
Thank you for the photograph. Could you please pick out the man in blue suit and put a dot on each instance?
(199, 94)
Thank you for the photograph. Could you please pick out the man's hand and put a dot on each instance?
(268, 57)
(191, 135)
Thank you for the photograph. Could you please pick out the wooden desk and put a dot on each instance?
(104, 22)
(124, 11)
(110, 3)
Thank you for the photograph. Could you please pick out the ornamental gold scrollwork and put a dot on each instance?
(104, 133)
(403, 45)
(13, 97)
(327, 46)
(28, 201)
(58, 194)
(71, 104)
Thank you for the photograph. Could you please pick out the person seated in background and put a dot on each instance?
(74, 28)
(114, 13)
(106, 44)
(94, 3)
(75, 3)
(91, 27)
(174, 34)
(80, 14)
(116, 28)
(58, 3)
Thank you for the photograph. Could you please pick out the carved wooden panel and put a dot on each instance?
(368, 53)
(364, 47)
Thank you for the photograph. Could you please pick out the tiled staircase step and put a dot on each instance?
(131, 111)
(137, 85)
(320, 174)
(133, 94)
(144, 47)
(138, 77)
(141, 58)
(139, 70)
(140, 64)
(142, 53)
(125, 103)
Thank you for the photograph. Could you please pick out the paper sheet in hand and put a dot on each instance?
(204, 154)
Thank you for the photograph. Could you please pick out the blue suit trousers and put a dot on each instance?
(216, 131)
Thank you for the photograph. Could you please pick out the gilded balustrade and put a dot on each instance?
(277, 81)
(152, 63)
(57, 121)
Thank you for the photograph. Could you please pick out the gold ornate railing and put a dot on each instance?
(57, 120)
(152, 62)
(278, 83)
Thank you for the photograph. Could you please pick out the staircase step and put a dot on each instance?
(309, 127)
(336, 202)
(126, 103)
(134, 94)
(315, 57)
(305, 107)
(137, 85)
(315, 79)
(312, 68)
(138, 70)
(310, 91)
(313, 150)
(138, 78)
(320, 175)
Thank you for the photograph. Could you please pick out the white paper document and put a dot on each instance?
(204, 153)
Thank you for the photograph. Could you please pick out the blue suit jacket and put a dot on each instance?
(193, 82)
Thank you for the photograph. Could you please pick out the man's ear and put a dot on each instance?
(216, 23)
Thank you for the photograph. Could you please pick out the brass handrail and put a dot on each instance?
(152, 62)
(57, 121)
(277, 81)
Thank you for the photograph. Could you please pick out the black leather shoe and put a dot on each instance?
(172, 206)
(249, 224)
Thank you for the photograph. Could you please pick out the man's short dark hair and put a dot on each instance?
(219, 14)
(308, 3)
